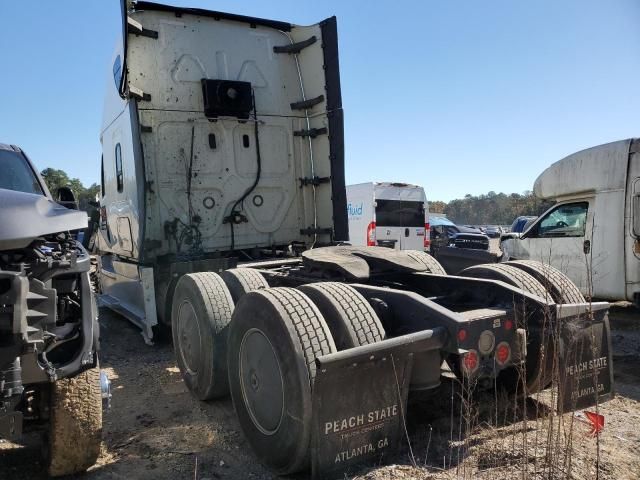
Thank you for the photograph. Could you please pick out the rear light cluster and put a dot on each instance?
(371, 235)
(470, 361)
(427, 235)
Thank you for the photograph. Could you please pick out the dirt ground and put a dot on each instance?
(157, 430)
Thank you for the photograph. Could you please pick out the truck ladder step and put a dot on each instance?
(304, 181)
(312, 132)
(295, 47)
(306, 104)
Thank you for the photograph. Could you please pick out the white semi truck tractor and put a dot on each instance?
(224, 217)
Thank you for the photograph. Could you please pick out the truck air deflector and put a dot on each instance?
(329, 29)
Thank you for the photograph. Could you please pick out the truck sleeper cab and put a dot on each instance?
(222, 138)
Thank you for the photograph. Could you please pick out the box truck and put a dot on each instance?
(223, 211)
(593, 232)
(387, 214)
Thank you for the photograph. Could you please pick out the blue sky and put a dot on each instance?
(459, 96)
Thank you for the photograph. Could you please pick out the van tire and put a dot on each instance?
(351, 319)
(274, 339)
(241, 281)
(200, 314)
(75, 431)
(560, 287)
(538, 376)
(433, 266)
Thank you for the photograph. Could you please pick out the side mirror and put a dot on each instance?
(510, 235)
(65, 197)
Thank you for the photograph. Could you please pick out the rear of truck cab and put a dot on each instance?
(222, 138)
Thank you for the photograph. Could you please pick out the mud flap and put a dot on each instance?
(360, 400)
(585, 356)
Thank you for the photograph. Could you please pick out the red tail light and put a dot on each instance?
(470, 362)
(427, 235)
(371, 235)
(503, 353)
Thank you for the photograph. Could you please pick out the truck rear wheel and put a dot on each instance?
(241, 281)
(200, 314)
(349, 316)
(560, 287)
(507, 274)
(274, 338)
(539, 363)
(433, 266)
(75, 431)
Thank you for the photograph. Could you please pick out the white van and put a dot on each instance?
(394, 215)
(593, 232)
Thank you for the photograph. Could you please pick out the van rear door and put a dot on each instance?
(400, 224)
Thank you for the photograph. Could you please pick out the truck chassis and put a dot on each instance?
(319, 354)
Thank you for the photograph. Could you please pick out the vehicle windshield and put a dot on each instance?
(441, 221)
(399, 213)
(17, 174)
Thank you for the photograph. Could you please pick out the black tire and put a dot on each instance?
(560, 287)
(75, 430)
(350, 318)
(508, 274)
(433, 266)
(537, 376)
(241, 281)
(275, 336)
(200, 314)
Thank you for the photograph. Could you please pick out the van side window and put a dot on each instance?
(567, 220)
(102, 175)
(119, 176)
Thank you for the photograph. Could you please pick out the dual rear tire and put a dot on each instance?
(543, 281)
(233, 334)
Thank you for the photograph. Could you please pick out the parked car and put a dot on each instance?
(521, 223)
(445, 233)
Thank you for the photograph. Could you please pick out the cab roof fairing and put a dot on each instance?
(603, 167)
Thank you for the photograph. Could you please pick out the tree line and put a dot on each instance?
(55, 179)
(490, 209)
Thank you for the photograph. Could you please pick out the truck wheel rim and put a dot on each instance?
(261, 381)
(189, 336)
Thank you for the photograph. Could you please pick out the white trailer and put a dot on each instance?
(593, 232)
(394, 215)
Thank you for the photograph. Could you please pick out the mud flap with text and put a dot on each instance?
(360, 399)
(585, 356)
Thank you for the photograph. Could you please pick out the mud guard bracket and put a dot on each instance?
(585, 356)
(360, 401)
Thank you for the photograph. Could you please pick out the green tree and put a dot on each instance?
(55, 179)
